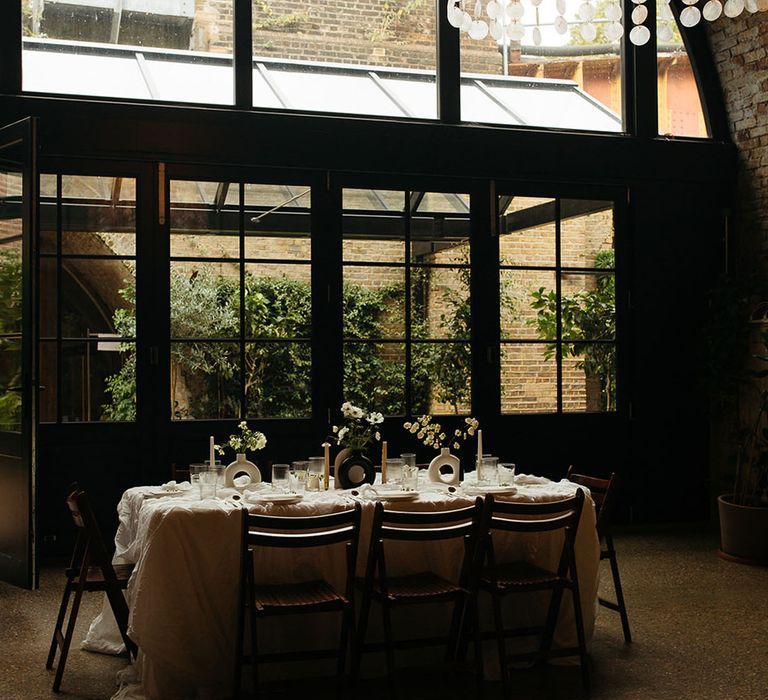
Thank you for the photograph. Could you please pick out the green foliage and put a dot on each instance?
(266, 18)
(122, 385)
(392, 13)
(587, 315)
(10, 323)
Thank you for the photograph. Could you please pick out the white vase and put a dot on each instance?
(445, 459)
(241, 466)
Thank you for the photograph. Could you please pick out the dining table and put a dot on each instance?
(184, 589)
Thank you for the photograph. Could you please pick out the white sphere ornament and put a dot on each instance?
(666, 13)
(733, 8)
(478, 8)
(640, 35)
(561, 26)
(712, 10)
(639, 2)
(588, 31)
(536, 36)
(613, 31)
(466, 22)
(496, 31)
(664, 32)
(560, 7)
(762, 5)
(455, 15)
(639, 14)
(478, 30)
(586, 12)
(750, 6)
(517, 32)
(492, 8)
(612, 12)
(690, 16)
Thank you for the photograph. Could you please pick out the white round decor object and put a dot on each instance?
(712, 10)
(733, 8)
(466, 22)
(586, 12)
(664, 32)
(455, 15)
(561, 26)
(639, 14)
(517, 32)
(612, 12)
(536, 3)
(639, 2)
(560, 7)
(492, 8)
(536, 36)
(516, 10)
(750, 6)
(666, 13)
(495, 30)
(588, 31)
(478, 30)
(690, 16)
(690, 2)
(640, 35)
(613, 31)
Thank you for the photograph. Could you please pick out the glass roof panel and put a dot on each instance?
(381, 200)
(444, 203)
(478, 107)
(192, 82)
(420, 96)
(291, 196)
(263, 95)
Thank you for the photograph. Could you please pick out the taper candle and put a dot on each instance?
(479, 449)
(384, 462)
(212, 453)
(327, 465)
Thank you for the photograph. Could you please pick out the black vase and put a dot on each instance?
(355, 470)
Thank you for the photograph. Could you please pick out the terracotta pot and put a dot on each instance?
(743, 532)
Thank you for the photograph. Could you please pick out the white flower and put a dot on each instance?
(342, 432)
(455, 445)
(346, 409)
(442, 436)
(378, 435)
(242, 425)
(471, 431)
(335, 428)
(356, 412)
(375, 418)
(457, 432)
(420, 435)
(414, 428)
(407, 425)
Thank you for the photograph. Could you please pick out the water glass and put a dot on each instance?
(394, 470)
(506, 474)
(409, 458)
(410, 478)
(488, 473)
(299, 471)
(315, 473)
(210, 478)
(280, 477)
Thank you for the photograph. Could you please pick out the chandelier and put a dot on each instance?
(503, 19)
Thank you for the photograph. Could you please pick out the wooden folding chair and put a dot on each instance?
(423, 587)
(90, 569)
(262, 601)
(500, 579)
(603, 491)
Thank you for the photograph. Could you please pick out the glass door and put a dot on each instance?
(18, 197)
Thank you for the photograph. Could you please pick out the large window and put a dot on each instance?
(558, 309)
(240, 292)
(406, 309)
(87, 298)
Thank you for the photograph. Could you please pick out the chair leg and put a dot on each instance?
(387, 620)
(477, 635)
(67, 639)
(454, 632)
(346, 626)
(553, 613)
(579, 624)
(500, 642)
(619, 592)
(357, 650)
(59, 623)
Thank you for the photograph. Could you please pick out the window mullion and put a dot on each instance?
(448, 66)
(242, 52)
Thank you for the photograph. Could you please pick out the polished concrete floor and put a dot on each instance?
(700, 628)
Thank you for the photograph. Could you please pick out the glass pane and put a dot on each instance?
(98, 381)
(10, 279)
(278, 222)
(278, 301)
(204, 219)
(373, 238)
(317, 56)
(91, 48)
(440, 303)
(441, 378)
(586, 232)
(444, 202)
(384, 200)
(205, 300)
(278, 380)
(528, 304)
(588, 306)
(278, 196)
(528, 378)
(374, 302)
(680, 112)
(48, 379)
(10, 381)
(205, 380)
(589, 377)
(527, 231)
(374, 376)
(442, 241)
(98, 297)
(539, 73)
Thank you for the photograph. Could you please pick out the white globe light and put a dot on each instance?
(536, 36)
(588, 31)
(664, 32)
(712, 10)
(639, 14)
(613, 31)
(586, 12)
(560, 6)
(690, 16)
(613, 12)
(492, 8)
(496, 31)
(733, 8)
(561, 26)
(640, 35)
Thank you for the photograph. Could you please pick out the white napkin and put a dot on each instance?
(241, 482)
(173, 486)
(530, 480)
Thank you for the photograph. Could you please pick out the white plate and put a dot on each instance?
(475, 490)
(159, 493)
(395, 495)
(284, 499)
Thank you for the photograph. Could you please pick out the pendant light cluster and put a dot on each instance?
(502, 20)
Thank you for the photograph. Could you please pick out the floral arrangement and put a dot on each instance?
(250, 440)
(432, 435)
(358, 428)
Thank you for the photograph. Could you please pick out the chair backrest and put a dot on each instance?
(425, 526)
(90, 548)
(603, 494)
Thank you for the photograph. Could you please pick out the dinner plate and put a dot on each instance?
(285, 499)
(395, 495)
(475, 489)
(159, 493)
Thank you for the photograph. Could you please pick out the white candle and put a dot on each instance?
(213, 452)
(326, 465)
(479, 449)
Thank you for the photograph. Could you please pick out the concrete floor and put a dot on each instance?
(700, 629)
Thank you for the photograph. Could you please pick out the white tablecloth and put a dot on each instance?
(182, 594)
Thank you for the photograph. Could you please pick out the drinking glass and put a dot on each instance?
(210, 478)
(394, 470)
(410, 478)
(506, 474)
(299, 472)
(488, 474)
(280, 477)
(315, 473)
(195, 470)
(409, 458)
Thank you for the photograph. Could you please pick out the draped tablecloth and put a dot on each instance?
(183, 592)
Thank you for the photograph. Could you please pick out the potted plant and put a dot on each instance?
(738, 372)
(245, 440)
(357, 430)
